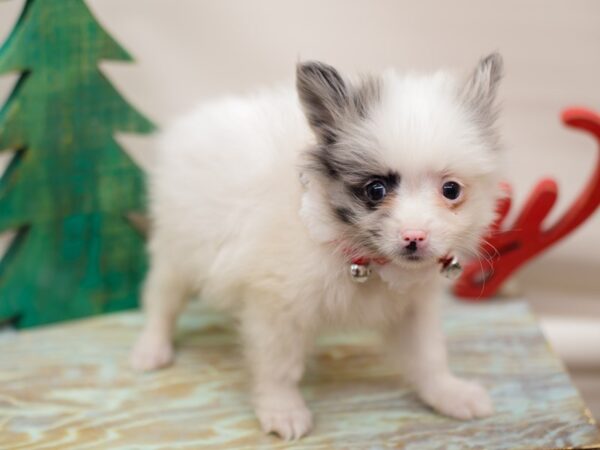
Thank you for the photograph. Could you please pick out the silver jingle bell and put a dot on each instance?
(359, 272)
(452, 269)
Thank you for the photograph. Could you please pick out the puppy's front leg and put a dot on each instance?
(419, 343)
(275, 347)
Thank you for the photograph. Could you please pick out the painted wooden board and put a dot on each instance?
(68, 386)
(70, 186)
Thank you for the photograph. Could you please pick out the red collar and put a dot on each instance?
(363, 260)
(359, 265)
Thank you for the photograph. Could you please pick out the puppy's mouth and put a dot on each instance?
(412, 257)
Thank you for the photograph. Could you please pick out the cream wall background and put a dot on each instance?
(190, 50)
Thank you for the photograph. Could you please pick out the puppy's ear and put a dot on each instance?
(479, 92)
(324, 96)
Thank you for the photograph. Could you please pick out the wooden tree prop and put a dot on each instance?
(526, 237)
(68, 188)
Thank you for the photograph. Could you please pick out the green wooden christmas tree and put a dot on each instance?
(69, 187)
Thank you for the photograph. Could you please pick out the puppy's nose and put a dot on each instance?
(414, 238)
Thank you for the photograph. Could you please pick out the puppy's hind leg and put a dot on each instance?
(164, 296)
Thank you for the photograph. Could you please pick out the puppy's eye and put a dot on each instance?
(451, 190)
(375, 191)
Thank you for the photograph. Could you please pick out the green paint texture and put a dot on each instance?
(67, 190)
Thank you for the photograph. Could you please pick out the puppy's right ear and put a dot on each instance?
(479, 92)
(324, 96)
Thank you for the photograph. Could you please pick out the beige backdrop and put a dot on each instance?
(189, 50)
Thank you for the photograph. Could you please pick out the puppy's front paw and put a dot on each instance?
(284, 414)
(457, 398)
(151, 352)
(288, 424)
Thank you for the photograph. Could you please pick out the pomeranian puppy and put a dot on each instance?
(332, 205)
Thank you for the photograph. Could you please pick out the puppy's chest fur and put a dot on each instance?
(380, 301)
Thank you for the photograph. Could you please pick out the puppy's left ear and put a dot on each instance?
(479, 92)
(324, 95)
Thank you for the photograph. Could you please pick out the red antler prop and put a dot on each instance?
(525, 239)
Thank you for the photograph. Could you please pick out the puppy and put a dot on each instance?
(275, 208)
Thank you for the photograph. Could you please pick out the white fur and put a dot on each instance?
(234, 222)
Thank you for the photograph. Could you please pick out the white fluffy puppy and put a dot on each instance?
(260, 204)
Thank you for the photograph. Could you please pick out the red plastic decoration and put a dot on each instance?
(526, 238)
